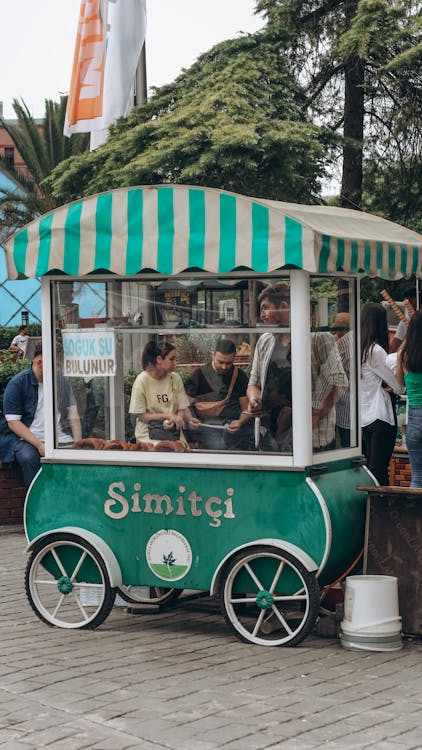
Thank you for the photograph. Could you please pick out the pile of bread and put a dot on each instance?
(244, 349)
(98, 444)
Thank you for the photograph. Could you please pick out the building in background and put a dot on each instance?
(8, 149)
(16, 297)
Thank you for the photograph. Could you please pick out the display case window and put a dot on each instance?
(155, 361)
(333, 363)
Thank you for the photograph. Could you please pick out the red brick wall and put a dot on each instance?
(399, 471)
(12, 495)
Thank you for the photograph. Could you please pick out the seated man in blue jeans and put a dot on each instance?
(22, 421)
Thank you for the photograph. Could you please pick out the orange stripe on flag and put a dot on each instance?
(85, 100)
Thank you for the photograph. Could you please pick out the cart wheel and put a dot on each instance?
(269, 598)
(67, 583)
(149, 595)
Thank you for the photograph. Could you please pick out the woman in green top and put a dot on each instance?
(409, 373)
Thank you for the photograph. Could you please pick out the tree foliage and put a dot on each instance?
(234, 120)
(394, 191)
(326, 81)
(41, 148)
(360, 61)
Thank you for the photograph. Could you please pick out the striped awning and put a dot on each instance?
(170, 229)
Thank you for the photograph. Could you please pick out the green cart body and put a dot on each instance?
(266, 532)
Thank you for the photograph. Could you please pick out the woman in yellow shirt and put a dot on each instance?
(158, 397)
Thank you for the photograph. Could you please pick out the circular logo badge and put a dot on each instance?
(169, 555)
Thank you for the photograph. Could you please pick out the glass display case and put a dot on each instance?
(103, 326)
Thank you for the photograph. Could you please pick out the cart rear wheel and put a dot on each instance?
(149, 595)
(269, 598)
(67, 583)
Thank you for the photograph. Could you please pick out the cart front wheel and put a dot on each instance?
(149, 595)
(67, 583)
(269, 598)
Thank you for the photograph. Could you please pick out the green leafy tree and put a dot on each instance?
(394, 191)
(9, 366)
(42, 148)
(234, 120)
(370, 288)
(360, 61)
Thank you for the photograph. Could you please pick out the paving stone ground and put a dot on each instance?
(180, 680)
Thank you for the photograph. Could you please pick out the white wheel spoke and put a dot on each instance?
(277, 576)
(280, 617)
(80, 605)
(258, 622)
(58, 605)
(291, 598)
(58, 561)
(256, 580)
(79, 565)
(50, 582)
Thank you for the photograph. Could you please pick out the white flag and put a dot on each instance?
(106, 56)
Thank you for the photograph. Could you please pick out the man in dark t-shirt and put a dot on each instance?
(232, 429)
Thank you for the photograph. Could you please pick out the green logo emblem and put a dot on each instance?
(169, 555)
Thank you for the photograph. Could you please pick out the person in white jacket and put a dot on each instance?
(378, 416)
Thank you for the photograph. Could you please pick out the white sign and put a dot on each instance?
(169, 555)
(89, 353)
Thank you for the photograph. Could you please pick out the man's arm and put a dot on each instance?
(395, 345)
(236, 424)
(75, 423)
(398, 338)
(399, 368)
(14, 348)
(22, 431)
(330, 397)
(254, 395)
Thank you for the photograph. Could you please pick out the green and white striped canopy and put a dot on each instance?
(172, 228)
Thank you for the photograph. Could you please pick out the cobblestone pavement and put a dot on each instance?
(181, 681)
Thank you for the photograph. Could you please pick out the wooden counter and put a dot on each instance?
(393, 546)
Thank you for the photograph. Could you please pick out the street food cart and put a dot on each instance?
(265, 530)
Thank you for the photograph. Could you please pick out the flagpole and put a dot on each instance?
(140, 96)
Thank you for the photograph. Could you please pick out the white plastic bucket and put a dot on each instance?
(371, 614)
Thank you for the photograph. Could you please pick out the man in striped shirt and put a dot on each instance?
(329, 379)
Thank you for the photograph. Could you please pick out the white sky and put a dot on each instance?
(37, 42)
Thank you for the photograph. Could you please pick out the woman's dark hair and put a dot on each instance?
(374, 328)
(412, 349)
(152, 350)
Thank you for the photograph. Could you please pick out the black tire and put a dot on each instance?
(60, 562)
(283, 616)
(158, 595)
